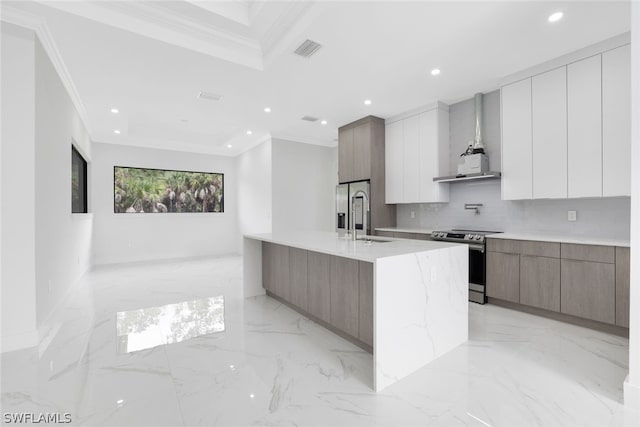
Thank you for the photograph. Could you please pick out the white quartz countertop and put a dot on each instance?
(405, 230)
(560, 238)
(332, 243)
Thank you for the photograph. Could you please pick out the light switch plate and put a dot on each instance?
(413, 214)
(572, 215)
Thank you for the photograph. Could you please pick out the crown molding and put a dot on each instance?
(286, 28)
(217, 150)
(158, 22)
(236, 11)
(304, 140)
(13, 15)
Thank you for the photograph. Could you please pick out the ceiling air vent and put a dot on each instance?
(310, 119)
(308, 48)
(210, 96)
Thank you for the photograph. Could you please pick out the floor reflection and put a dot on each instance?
(150, 327)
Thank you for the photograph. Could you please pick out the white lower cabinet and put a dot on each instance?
(416, 151)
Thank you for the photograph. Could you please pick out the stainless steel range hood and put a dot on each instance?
(477, 100)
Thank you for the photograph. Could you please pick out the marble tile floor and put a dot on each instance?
(270, 366)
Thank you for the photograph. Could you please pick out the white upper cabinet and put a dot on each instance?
(549, 124)
(584, 101)
(616, 122)
(517, 177)
(566, 132)
(394, 175)
(417, 150)
(434, 155)
(411, 161)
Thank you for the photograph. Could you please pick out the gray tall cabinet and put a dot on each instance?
(361, 157)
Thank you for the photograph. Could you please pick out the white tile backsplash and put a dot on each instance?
(601, 217)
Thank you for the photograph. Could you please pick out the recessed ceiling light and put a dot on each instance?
(230, 146)
(252, 395)
(324, 122)
(249, 132)
(367, 102)
(210, 96)
(115, 111)
(267, 109)
(555, 17)
(117, 132)
(435, 72)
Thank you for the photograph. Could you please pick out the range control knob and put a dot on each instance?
(478, 237)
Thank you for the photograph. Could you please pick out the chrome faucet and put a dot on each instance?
(365, 213)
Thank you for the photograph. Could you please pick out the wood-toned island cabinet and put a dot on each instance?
(319, 270)
(581, 280)
(334, 291)
(275, 269)
(344, 293)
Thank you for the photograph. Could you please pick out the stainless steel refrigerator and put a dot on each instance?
(344, 194)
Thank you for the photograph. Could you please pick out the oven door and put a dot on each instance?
(477, 274)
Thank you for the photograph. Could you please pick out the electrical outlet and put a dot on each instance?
(413, 214)
(572, 216)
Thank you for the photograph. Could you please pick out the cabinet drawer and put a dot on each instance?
(593, 253)
(384, 233)
(545, 249)
(503, 245)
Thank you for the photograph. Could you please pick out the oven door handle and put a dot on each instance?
(477, 248)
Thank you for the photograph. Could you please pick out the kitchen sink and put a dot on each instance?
(370, 241)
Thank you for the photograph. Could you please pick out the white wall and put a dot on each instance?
(121, 237)
(632, 385)
(18, 187)
(304, 184)
(609, 218)
(254, 190)
(63, 239)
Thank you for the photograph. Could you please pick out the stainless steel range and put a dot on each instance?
(477, 258)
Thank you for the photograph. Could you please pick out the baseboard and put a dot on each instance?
(108, 264)
(19, 341)
(632, 396)
(578, 321)
(50, 326)
(366, 347)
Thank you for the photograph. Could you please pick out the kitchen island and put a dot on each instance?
(405, 301)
